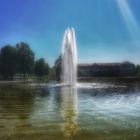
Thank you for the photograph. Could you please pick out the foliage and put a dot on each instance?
(8, 62)
(25, 58)
(138, 70)
(52, 74)
(19, 61)
(82, 73)
(57, 68)
(41, 68)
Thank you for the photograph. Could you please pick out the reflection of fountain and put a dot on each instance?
(69, 58)
(69, 111)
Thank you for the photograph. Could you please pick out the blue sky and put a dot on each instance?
(106, 30)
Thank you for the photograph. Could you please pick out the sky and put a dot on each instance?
(106, 30)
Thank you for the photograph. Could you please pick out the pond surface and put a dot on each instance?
(90, 111)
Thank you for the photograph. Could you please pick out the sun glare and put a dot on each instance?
(129, 18)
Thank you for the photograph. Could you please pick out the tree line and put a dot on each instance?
(19, 61)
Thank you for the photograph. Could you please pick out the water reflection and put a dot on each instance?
(14, 101)
(56, 110)
(89, 111)
(16, 107)
(69, 111)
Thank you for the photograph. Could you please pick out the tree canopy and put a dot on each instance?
(57, 68)
(20, 61)
(25, 58)
(8, 61)
(41, 68)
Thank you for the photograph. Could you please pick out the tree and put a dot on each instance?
(57, 68)
(52, 74)
(82, 73)
(138, 70)
(25, 57)
(41, 68)
(8, 62)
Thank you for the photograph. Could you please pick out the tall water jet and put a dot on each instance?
(69, 58)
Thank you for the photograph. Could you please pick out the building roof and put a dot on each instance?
(104, 64)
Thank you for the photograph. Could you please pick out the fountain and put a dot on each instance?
(69, 58)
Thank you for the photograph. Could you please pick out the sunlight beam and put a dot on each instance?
(129, 18)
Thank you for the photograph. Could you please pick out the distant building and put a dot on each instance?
(106, 69)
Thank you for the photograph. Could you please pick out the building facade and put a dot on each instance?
(106, 69)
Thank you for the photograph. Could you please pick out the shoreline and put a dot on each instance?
(80, 79)
(91, 79)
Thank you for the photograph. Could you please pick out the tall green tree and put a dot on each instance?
(41, 68)
(8, 61)
(52, 74)
(138, 70)
(25, 57)
(57, 68)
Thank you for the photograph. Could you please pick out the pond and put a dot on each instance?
(97, 110)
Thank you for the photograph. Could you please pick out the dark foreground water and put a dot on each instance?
(91, 111)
